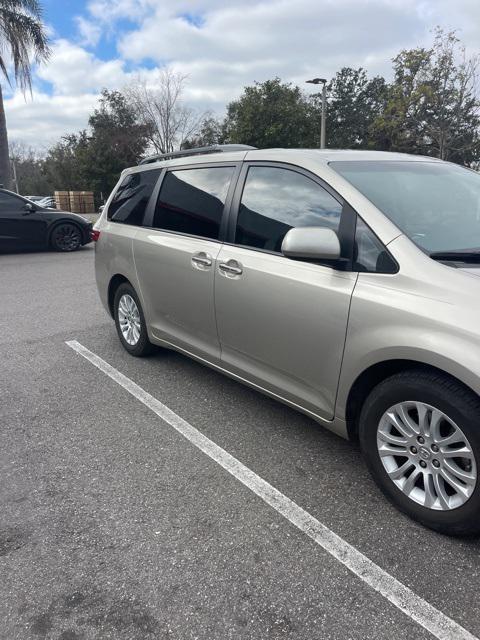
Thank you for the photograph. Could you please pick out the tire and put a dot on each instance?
(136, 341)
(66, 237)
(451, 412)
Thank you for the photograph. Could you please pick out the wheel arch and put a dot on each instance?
(113, 285)
(376, 373)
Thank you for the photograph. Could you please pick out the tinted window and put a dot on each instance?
(11, 204)
(369, 253)
(192, 201)
(275, 200)
(132, 196)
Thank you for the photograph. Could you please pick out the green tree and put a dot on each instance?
(211, 131)
(117, 141)
(22, 40)
(65, 164)
(354, 103)
(270, 114)
(432, 107)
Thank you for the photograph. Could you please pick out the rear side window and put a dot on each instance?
(192, 201)
(132, 196)
(276, 200)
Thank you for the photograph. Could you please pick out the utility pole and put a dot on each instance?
(15, 181)
(324, 109)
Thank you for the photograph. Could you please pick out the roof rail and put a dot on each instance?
(214, 148)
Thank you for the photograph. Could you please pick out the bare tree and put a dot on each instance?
(160, 106)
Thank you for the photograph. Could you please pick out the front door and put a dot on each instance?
(20, 227)
(282, 323)
(175, 258)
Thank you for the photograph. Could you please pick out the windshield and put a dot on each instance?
(437, 205)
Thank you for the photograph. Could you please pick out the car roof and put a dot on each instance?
(321, 156)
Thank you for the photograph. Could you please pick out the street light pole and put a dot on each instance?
(324, 108)
(324, 116)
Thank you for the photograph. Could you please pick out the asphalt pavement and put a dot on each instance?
(114, 526)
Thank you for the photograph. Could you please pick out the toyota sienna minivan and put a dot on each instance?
(343, 283)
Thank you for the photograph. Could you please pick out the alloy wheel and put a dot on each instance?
(129, 319)
(426, 455)
(67, 237)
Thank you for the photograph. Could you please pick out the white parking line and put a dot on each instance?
(426, 615)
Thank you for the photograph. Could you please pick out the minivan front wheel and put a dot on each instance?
(130, 321)
(419, 432)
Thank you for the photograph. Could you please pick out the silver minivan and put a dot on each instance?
(343, 283)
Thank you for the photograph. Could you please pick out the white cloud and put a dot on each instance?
(223, 46)
(89, 31)
(72, 70)
(41, 120)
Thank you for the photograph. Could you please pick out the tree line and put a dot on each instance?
(430, 107)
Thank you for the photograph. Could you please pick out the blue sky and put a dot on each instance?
(218, 45)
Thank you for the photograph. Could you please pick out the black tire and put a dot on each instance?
(143, 347)
(460, 405)
(66, 237)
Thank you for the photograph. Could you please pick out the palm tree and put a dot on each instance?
(23, 40)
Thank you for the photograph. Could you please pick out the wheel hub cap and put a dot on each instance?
(426, 455)
(129, 319)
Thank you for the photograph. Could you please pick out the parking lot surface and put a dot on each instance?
(113, 525)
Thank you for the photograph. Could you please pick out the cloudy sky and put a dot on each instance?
(220, 45)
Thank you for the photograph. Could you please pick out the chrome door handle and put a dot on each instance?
(231, 268)
(202, 260)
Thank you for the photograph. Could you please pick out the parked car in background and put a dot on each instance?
(48, 202)
(343, 283)
(35, 198)
(26, 224)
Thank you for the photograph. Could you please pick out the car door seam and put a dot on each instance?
(344, 347)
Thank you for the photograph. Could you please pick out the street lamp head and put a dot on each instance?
(316, 81)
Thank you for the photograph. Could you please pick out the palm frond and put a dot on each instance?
(22, 39)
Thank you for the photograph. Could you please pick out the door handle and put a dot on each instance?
(202, 260)
(230, 268)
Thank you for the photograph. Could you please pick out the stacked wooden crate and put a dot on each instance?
(62, 200)
(75, 201)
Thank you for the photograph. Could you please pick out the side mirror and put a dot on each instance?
(29, 208)
(311, 243)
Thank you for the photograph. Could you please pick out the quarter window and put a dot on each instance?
(192, 201)
(276, 200)
(131, 198)
(369, 253)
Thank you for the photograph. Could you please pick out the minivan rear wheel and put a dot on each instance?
(130, 321)
(419, 432)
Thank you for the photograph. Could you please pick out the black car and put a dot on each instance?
(25, 224)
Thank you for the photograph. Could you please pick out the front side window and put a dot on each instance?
(436, 204)
(192, 201)
(131, 198)
(276, 200)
